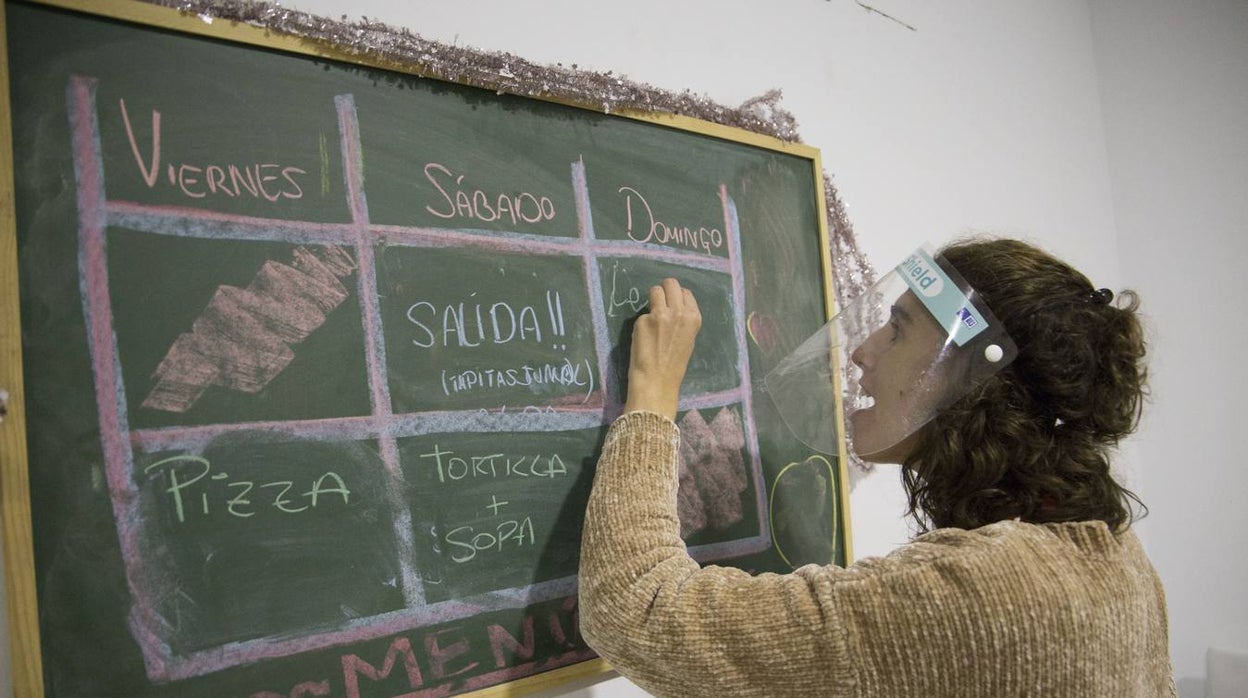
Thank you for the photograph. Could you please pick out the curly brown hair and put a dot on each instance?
(1032, 442)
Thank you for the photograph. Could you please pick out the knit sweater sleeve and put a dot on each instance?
(1055, 610)
(677, 629)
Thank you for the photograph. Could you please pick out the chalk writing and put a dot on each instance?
(452, 467)
(651, 229)
(631, 300)
(476, 204)
(566, 374)
(495, 505)
(527, 409)
(445, 653)
(469, 324)
(268, 181)
(190, 475)
(467, 541)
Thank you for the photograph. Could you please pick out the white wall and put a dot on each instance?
(987, 118)
(1174, 85)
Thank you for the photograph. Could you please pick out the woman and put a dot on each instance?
(1027, 581)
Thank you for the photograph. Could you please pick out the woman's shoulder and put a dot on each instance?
(1004, 539)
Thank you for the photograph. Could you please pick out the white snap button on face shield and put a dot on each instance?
(911, 345)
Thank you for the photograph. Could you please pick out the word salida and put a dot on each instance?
(475, 323)
(192, 482)
(267, 181)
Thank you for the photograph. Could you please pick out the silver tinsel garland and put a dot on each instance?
(505, 73)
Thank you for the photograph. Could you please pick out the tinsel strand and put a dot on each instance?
(505, 73)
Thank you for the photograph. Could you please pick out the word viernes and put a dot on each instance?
(268, 181)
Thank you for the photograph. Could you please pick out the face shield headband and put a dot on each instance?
(913, 344)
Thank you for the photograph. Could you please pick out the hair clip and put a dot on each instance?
(1101, 296)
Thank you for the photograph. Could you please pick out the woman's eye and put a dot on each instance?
(896, 331)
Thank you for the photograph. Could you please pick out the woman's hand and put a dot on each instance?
(662, 344)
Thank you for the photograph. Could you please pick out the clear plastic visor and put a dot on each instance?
(913, 344)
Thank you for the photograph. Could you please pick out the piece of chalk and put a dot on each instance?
(993, 353)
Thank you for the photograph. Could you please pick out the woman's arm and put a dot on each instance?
(675, 629)
(645, 605)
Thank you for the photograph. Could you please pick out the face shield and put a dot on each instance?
(913, 344)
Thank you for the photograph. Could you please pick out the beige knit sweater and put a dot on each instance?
(1010, 609)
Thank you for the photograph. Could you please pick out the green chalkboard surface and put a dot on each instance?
(317, 359)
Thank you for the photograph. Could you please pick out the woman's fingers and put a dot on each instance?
(690, 302)
(657, 297)
(663, 340)
(672, 293)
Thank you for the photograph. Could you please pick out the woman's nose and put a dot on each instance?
(859, 356)
(865, 355)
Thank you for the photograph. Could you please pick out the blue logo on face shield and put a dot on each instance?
(967, 319)
(946, 302)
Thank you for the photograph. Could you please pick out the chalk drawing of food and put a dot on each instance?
(712, 471)
(244, 338)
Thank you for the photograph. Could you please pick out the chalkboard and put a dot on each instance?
(317, 358)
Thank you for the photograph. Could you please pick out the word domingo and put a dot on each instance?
(707, 239)
(192, 481)
(473, 324)
(476, 204)
(453, 468)
(259, 181)
(438, 661)
(566, 374)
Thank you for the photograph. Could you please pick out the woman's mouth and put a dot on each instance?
(862, 399)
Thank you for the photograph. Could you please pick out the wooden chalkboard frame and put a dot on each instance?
(16, 505)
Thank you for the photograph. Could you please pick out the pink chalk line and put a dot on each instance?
(96, 212)
(194, 438)
(732, 226)
(109, 391)
(375, 347)
(593, 280)
(182, 221)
